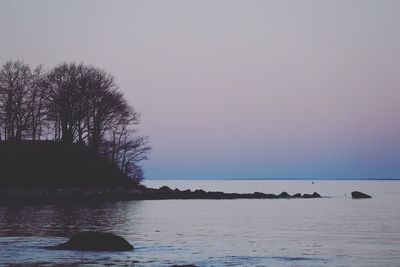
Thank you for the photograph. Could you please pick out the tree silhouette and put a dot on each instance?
(75, 103)
(20, 100)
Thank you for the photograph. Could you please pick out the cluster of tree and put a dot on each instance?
(71, 103)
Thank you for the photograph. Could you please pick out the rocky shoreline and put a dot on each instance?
(167, 193)
(34, 196)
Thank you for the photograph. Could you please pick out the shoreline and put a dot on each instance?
(67, 195)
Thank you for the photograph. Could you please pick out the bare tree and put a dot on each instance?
(72, 103)
(15, 82)
(36, 101)
(65, 93)
(105, 104)
(83, 103)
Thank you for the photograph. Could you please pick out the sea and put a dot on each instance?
(334, 230)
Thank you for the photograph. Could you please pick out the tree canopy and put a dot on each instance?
(71, 103)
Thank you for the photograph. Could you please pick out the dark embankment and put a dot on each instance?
(47, 164)
(46, 196)
(44, 172)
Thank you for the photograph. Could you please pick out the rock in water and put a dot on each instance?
(95, 241)
(357, 194)
(314, 195)
(284, 195)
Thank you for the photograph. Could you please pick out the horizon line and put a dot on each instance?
(287, 178)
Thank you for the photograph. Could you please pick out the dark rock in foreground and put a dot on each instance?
(95, 241)
(358, 194)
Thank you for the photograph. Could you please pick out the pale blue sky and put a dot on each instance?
(237, 89)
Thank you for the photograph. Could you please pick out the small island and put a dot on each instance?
(56, 172)
(69, 134)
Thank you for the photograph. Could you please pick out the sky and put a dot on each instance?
(236, 89)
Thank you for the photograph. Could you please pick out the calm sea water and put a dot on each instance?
(333, 231)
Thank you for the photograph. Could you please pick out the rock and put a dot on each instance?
(357, 194)
(314, 195)
(165, 189)
(284, 195)
(217, 195)
(187, 191)
(200, 192)
(95, 241)
(297, 195)
(259, 195)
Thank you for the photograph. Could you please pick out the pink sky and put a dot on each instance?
(237, 89)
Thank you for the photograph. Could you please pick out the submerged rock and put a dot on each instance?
(358, 194)
(95, 241)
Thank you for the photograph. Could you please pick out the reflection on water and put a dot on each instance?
(335, 231)
(64, 220)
